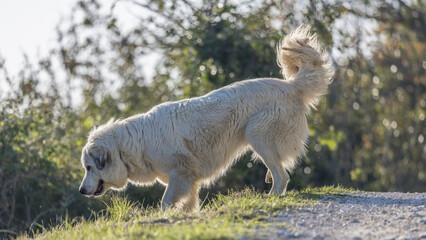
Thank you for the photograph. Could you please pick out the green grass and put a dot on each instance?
(225, 217)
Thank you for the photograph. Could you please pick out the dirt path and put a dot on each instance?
(356, 216)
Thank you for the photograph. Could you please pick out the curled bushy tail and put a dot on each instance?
(305, 64)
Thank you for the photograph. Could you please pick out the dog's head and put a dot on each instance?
(101, 160)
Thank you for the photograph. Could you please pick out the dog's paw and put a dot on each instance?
(268, 177)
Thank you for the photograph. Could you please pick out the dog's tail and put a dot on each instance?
(305, 64)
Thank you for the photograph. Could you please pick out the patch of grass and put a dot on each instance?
(225, 217)
(120, 208)
(318, 193)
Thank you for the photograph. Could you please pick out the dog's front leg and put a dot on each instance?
(178, 187)
(191, 202)
(268, 177)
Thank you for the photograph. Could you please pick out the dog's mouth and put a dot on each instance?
(100, 188)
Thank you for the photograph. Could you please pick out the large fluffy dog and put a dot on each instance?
(190, 143)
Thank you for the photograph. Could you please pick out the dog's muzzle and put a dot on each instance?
(100, 188)
(98, 191)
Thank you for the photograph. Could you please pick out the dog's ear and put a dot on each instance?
(102, 160)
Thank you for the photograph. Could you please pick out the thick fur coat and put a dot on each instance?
(190, 143)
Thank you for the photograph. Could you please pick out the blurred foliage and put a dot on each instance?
(368, 132)
(38, 142)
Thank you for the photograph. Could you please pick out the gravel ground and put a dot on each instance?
(356, 216)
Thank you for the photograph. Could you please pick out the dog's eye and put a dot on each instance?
(88, 168)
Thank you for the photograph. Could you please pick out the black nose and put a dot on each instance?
(83, 191)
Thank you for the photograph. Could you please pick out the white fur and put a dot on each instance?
(190, 143)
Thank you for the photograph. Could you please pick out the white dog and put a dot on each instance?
(190, 143)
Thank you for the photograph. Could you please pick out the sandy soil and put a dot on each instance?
(355, 216)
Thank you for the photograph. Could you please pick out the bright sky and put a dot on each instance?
(28, 26)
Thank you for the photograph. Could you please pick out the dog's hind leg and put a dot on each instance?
(264, 133)
(272, 159)
(280, 177)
